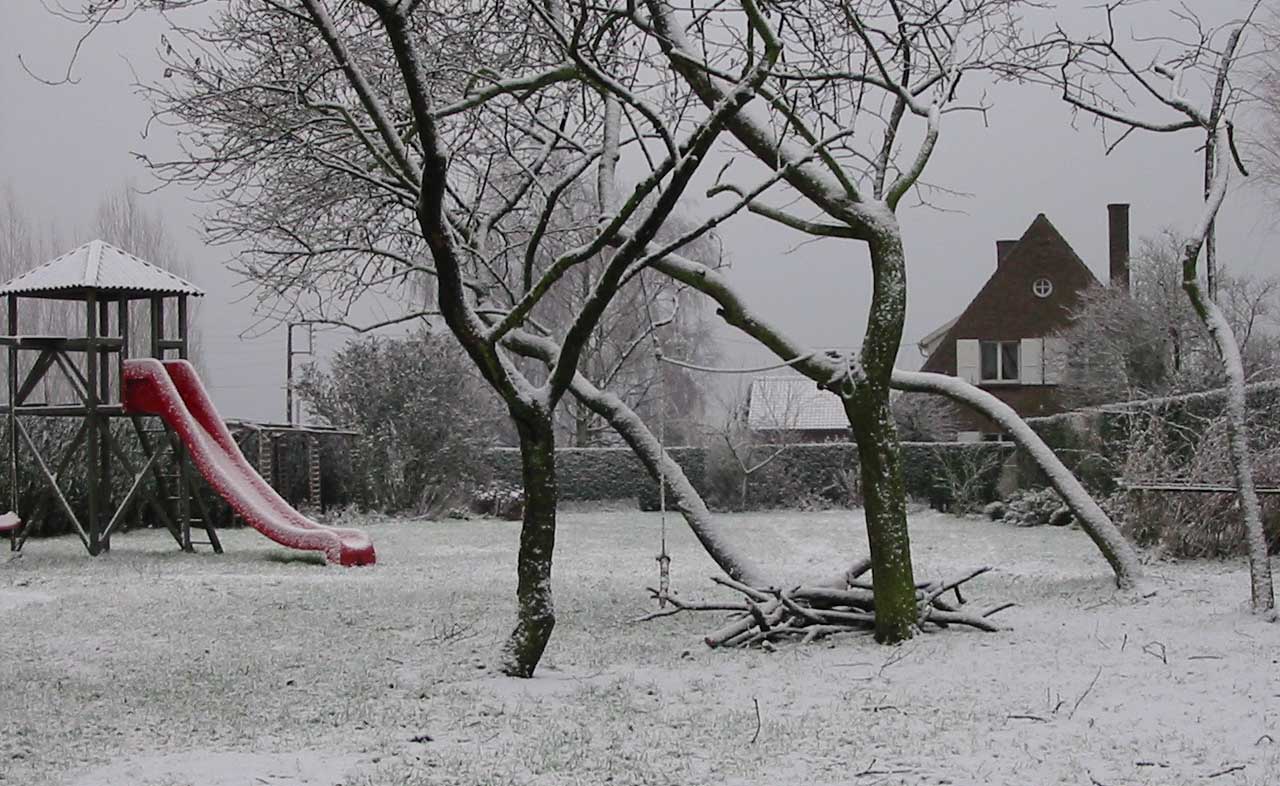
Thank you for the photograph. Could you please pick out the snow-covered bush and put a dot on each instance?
(1035, 508)
(499, 500)
(425, 418)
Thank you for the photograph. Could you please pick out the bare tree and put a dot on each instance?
(1148, 342)
(1188, 86)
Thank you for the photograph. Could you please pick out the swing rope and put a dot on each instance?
(663, 558)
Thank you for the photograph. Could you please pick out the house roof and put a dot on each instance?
(793, 403)
(1041, 250)
(930, 342)
(101, 267)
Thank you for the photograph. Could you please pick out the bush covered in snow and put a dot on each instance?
(1032, 508)
(500, 500)
(425, 416)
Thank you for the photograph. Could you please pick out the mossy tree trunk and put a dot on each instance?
(879, 455)
(535, 611)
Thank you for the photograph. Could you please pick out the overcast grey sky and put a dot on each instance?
(62, 147)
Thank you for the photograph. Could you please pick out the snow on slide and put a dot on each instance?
(173, 391)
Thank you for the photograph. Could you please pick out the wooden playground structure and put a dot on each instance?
(126, 307)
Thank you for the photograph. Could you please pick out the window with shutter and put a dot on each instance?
(1032, 371)
(967, 360)
(1000, 361)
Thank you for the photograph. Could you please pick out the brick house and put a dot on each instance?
(1002, 341)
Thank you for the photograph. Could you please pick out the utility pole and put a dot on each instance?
(289, 414)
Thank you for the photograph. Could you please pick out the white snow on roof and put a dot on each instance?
(930, 342)
(99, 265)
(793, 403)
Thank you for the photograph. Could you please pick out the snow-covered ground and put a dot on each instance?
(148, 667)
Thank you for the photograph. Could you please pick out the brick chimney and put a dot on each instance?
(1003, 247)
(1118, 241)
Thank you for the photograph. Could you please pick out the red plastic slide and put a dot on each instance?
(173, 391)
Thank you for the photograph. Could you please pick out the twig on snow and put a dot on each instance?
(1092, 682)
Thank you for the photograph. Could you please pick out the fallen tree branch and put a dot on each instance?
(769, 614)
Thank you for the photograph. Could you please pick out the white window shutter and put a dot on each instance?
(1055, 360)
(1032, 371)
(967, 358)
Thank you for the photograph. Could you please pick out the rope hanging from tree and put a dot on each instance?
(663, 558)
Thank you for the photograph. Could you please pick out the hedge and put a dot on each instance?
(801, 473)
(602, 473)
(827, 472)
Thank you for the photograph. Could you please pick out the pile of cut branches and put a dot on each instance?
(769, 614)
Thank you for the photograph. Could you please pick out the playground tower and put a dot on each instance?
(78, 377)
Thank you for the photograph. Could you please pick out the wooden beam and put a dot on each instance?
(183, 349)
(53, 485)
(12, 302)
(157, 326)
(122, 317)
(156, 504)
(130, 496)
(1199, 488)
(92, 455)
(79, 385)
(63, 410)
(107, 343)
(38, 370)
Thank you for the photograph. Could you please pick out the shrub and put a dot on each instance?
(425, 418)
(1035, 508)
(1195, 450)
(500, 500)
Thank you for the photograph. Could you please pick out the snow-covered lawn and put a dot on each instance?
(149, 667)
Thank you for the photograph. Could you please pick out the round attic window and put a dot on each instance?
(1042, 287)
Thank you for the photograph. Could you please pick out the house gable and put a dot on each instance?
(1007, 308)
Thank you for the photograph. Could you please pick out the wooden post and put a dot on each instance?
(122, 317)
(157, 326)
(13, 405)
(104, 425)
(93, 444)
(183, 349)
(288, 374)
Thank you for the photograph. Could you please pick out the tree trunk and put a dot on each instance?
(879, 456)
(885, 509)
(535, 613)
(1261, 591)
